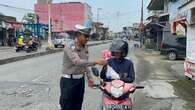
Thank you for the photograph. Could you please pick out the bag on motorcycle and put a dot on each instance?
(111, 74)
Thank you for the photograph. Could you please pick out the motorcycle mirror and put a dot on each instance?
(95, 71)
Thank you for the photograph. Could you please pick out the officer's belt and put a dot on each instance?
(72, 76)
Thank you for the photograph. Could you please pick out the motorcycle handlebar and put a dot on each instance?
(96, 86)
(139, 87)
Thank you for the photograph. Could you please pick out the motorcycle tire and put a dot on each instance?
(17, 50)
(28, 50)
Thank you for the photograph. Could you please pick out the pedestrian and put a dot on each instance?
(75, 67)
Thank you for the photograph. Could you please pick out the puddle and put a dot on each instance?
(185, 90)
(158, 89)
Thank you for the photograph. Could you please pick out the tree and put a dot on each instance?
(29, 18)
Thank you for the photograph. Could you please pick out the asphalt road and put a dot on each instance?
(33, 84)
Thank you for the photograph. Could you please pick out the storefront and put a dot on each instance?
(154, 35)
(8, 27)
(38, 29)
(189, 65)
(2, 34)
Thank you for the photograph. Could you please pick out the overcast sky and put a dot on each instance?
(129, 10)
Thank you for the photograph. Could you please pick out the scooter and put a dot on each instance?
(116, 94)
(19, 48)
(27, 48)
(32, 48)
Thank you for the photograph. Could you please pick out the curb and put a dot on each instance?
(14, 59)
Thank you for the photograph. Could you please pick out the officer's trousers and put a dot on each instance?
(72, 93)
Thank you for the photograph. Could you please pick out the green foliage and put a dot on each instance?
(29, 18)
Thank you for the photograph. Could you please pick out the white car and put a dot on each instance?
(59, 42)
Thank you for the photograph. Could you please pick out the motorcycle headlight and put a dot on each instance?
(116, 92)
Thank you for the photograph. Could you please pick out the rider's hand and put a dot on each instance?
(101, 62)
(90, 83)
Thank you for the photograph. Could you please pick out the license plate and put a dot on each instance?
(118, 107)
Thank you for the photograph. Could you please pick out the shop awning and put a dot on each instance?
(150, 17)
(164, 14)
(181, 21)
(154, 25)
(17, 26)
(14, 24)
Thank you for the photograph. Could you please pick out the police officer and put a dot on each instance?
(75, 67)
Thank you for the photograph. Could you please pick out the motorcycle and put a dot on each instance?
(19, 48)
(32, 47)
(26, 47)
(116, 94)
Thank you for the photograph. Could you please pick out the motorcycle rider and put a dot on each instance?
(122, 66)
(20, 41)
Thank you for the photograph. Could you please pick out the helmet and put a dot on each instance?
(120, 45)
(20, 33)
(21, 36)
(83, 30)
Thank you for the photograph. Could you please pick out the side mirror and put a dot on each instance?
(95, 71)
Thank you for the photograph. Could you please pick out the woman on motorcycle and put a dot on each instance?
(121, 65)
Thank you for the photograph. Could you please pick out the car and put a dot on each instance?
(59, 42)
(137, 39)
(174, 47)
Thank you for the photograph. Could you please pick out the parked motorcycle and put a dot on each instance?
(116, 94)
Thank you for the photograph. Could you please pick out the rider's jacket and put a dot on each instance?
(20, 41)
(124, 67)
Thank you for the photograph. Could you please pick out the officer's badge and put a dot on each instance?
(71, 44)
(72, 47)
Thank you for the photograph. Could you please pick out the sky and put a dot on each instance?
(129, 11)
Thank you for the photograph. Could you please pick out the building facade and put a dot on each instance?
(188, 9)
(64, 16)
(8, 28)
(167, 13)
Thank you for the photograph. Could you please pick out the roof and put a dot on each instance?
(164, 14)
(156, 5)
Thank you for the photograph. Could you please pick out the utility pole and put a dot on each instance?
(98, 9)
(50, 44)
(141, 25)
(117, 17)
(142, 12)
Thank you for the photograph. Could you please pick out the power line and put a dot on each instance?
(8, 6)
(45, 12)
(112, 15)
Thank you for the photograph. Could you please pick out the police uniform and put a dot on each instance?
(72, 84)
